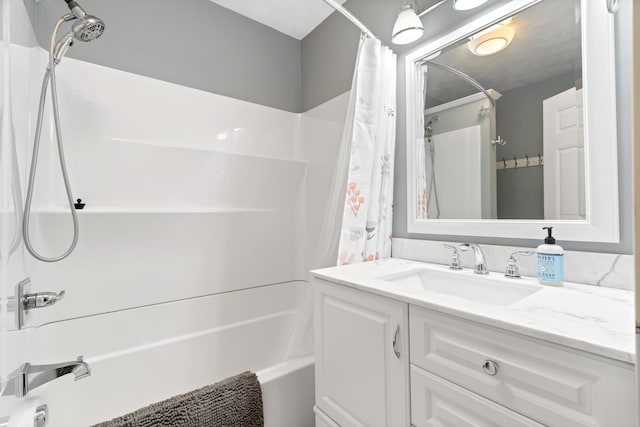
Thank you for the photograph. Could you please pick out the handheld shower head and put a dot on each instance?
(88, 28)
(85, 29)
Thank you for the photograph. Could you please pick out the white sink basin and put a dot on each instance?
(484, 289)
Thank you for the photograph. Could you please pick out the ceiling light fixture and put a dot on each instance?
(491, 40)
(467, 4)
(408, 27)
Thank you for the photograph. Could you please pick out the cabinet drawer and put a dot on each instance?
(555, 386)
(436, 402)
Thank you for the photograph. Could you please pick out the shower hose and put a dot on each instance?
(49, 77)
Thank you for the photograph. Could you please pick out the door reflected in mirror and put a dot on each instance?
(515, 150)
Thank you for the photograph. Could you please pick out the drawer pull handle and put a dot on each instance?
(395, 341)
(490, 367)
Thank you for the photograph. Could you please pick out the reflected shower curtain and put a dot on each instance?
(421, 155)
(367, 213)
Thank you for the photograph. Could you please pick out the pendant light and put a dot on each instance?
(408, 27)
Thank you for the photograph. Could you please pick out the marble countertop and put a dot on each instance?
(585, 317)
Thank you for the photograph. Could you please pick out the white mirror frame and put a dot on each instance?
(598, 76)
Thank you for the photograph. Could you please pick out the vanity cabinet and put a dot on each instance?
(362, 356)
(461, 373)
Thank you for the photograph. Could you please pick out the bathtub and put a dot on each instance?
(288, 393)
(147, 354)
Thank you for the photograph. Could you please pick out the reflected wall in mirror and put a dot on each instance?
(511, 125)
(484, 162)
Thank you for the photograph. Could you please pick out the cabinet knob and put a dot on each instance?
(490, 367)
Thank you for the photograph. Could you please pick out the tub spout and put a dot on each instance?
(28, 377)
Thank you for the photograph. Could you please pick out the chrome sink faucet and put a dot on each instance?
(28, 377)
(455, 257)
(481, 264)
(512, 271)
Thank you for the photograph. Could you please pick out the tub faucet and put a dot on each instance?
(28, 377)
(481, 264)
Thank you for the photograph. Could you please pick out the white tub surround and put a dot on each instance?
(593, 319)
(589, 268)
(187, 191)
(175, 282)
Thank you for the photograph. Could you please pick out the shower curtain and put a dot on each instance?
(364, 167)
(370, 133)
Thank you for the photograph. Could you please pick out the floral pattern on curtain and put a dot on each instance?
(367, 217)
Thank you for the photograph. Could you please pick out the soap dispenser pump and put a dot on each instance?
(550, 264)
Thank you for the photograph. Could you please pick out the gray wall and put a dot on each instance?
(519, 121)
(194, 43)
(333, 46)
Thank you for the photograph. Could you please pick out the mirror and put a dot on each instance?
(499, 137)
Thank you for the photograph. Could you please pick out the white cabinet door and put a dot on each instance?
(362, 364)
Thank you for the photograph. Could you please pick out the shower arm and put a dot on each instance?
(463, 76)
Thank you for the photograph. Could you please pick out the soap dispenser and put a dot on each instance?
(550, 265)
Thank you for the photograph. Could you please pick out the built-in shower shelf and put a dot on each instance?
(151, 210)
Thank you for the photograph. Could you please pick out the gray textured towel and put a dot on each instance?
(234, 402)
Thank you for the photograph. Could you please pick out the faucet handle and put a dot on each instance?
(513, 271)
(455, 257)
(41, 299)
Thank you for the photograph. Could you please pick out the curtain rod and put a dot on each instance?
(463, 76)
(350, 17)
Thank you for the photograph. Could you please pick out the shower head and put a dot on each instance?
(88, 27)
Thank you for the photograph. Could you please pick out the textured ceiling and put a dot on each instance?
(296, 18)
(546, 44)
